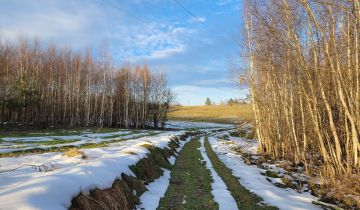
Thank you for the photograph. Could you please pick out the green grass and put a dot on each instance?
(247, 134)
(55, 132)
(190, 184)
(103, 130)
(215, 113)
(93, 145)
(39, 133)
(38, 150)
(151, 133)
(272, 174)
(120, 135)
(244, 198)
(45, 143)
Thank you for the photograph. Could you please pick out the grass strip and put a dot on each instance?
(190, 184)
(39, 150)
(9, 133)
(243, 197)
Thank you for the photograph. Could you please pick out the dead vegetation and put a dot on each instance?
(343, 194)
(73, 152)
(305, 82)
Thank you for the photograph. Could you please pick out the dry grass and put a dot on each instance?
(73, 152)
(129, 153)
(116, 197)
(214, 113)
(146, 145)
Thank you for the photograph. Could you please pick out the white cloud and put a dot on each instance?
(224, 2)
(166, 52)
(198, 20)
(235, 5)
(155, 41)
(49, 20)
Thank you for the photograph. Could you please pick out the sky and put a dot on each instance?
(196, 45)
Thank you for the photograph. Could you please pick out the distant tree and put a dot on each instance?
(208, 101)
(248, 99)
(231, 102)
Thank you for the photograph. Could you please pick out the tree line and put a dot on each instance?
(305, 82)
(52, 86)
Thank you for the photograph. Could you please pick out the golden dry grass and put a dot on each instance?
(213, 113)
(73, 152)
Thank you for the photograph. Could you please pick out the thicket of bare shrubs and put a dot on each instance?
(305, 82)
(52, 86)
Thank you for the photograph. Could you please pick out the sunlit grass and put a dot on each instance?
(213, 113)
(55, 144)
(18, 132)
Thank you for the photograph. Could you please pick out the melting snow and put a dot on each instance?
(25, 187)
(251, 178)
(188, 124)
(172, 160)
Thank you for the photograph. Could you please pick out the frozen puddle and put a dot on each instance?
(221, 194)
(251, 178)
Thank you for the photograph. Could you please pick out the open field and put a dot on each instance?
(213, 113)
(178, 168)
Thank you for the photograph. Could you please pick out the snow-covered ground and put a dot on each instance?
(51, 180)
(221, 194)
(196, 125)
(11, 144)
(250, 177)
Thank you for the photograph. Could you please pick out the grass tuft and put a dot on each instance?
(73, 152)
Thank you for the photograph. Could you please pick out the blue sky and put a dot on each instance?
(195, 52)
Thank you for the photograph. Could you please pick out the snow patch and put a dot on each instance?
(251, 178)
(172, 160)
(156, 190)
(26, 188)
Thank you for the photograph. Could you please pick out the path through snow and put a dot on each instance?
(156, 189)
(221, 194)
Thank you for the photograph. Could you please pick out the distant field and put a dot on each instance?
(213, 113)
